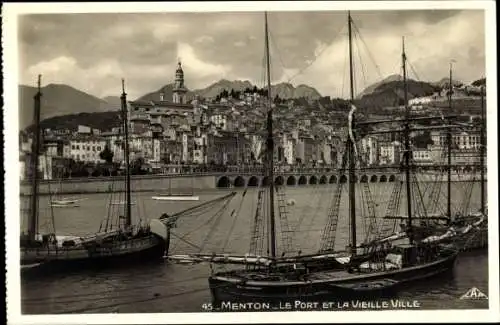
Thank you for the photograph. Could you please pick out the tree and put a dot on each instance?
(136, 166)
(423, 140)
(106, 154)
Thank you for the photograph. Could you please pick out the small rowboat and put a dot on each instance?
(176, 198)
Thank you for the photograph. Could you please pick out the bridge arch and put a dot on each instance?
(279, 180)
(364, 179)
(291, 180)
(323, 179)
(333, 179)
(392, 178)
(253, 181)
(374, 179)
(223, 182)
(313, 180)
(239, 182)
(343, 179)
(383, 179)
(302, 180)
(265, 181)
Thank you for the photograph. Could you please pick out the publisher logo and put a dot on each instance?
(474, 294)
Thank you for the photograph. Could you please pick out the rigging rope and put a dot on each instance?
(186, 241)
(360, 59)
(465, 209)
(264, 217)
(356, 30)
(234, 220)
(312, 220)
(50, 202)
(214, 226)
(306, 208)
(275, 46)
(215, 216)
(301, 71)
(363, 213)
(344, 72)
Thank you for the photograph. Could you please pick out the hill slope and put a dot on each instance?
(57, 100)
(370, 89)
(391, 94)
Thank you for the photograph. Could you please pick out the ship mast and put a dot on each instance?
(448, 143)
(270, 149)
(408, 151)
(128, 214)
(35, 151)
(483, 150)
(350, 148)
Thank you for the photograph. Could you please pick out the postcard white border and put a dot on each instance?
(12, 200)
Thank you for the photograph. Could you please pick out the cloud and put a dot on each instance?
(428, 48)
(240, 44)
(199, 68)
(103, 78)
(59, 65)
(204, 39)
(162, 31)
(143, 48)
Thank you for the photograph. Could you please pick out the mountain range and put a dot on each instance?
(60, 99)
(283, 90)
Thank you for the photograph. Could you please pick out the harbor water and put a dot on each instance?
(168, 287)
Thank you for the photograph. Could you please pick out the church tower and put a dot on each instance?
(179, 91)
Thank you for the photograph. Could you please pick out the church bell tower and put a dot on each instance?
(179, 91)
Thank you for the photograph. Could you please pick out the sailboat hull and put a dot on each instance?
(320, 286)
(124, 252)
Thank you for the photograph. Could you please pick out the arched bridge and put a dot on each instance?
(300, 179)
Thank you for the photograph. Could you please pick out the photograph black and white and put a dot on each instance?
(198, 158)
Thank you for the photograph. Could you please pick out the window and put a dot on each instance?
(73, 146)
(93, 148)
(77, 147)
(98, 148)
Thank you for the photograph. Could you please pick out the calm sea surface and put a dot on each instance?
(167, 287)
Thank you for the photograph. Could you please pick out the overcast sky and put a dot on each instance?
(92, 52)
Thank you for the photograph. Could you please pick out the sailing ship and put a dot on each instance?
(372, 267)
(58, 201)
(107, 247)
(468, 230)
(65, 202)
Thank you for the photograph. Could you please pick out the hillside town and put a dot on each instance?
(214, 133)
